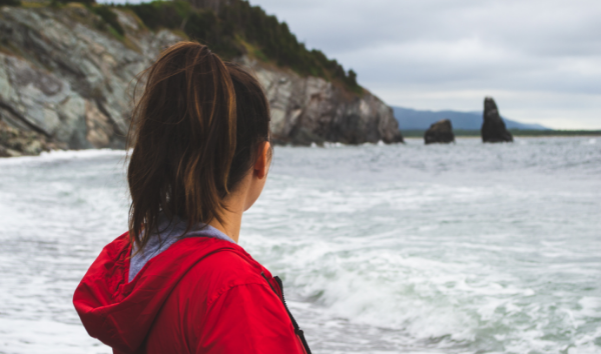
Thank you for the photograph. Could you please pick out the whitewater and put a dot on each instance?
(461, 248)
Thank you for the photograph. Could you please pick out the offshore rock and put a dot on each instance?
(440, 132)
(67, 83)
(493, 127)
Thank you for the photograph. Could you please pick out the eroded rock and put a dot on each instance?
(440, 132)
(67, 81)
(15, 142)
(493, 127)
(313, 110)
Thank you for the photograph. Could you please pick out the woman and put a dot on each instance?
(177, 282)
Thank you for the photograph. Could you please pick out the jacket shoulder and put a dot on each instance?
(221, 271)
(185, 317)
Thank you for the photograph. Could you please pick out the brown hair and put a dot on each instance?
(195, 134)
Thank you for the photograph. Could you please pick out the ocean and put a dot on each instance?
(461, 248)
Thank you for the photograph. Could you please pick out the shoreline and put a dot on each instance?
(56, 154)
(515, 136)
(516, 133)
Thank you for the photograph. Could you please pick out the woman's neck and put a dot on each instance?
(230, 224)
(243, 197)
(231, 215)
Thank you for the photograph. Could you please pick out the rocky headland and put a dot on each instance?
(66, 82)
(493, 127)
(440, 132)
(313, 110)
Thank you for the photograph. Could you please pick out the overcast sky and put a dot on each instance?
(540, 60)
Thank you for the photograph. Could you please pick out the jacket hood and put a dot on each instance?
(121, 313)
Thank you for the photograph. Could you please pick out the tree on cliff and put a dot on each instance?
(10, 2)
(234, 27)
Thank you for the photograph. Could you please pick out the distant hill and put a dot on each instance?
(412, 119)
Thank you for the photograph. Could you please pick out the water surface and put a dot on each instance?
(464, 248)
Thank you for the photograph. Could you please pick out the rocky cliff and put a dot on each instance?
(65, 79)
(307, 110)
(66, 82)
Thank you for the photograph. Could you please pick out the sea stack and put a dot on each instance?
(440, 132)
(493, 127)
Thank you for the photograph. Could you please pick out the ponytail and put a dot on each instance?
(195, 134)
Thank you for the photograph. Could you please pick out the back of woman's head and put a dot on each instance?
(195, 134)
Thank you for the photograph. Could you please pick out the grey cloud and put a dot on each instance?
(347, 24)
(550, 45)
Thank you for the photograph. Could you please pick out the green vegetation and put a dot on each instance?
(10, 2)
(238, 28)
(515, 132)
(63, 2)
(110, 19)
(518, 132)
(466, 133)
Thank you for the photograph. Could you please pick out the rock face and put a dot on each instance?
(15, 142)
(440, 132)
(493, 127)
(311, 109)
(67, 82)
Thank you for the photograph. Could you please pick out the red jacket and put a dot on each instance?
(201, 295)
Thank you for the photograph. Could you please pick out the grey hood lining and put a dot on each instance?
(169, 232)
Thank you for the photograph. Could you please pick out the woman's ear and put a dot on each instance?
(263, 159)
